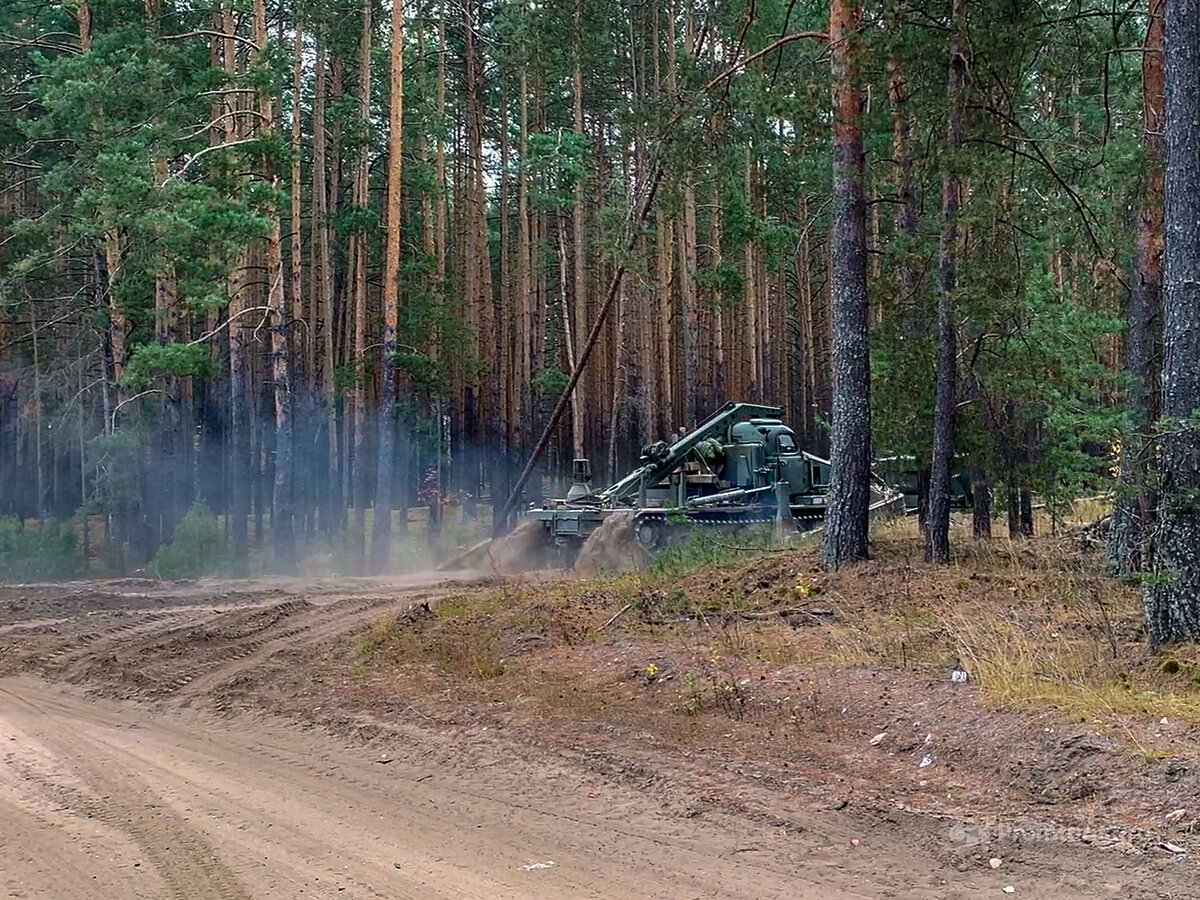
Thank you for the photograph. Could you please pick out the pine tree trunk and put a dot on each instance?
(506, 327)
(906, 211)
(620, 382)
(118, 322)
(82, 11)
(525, 327)
(240, 481)
(296, 248)
(663, 393)
(1134, 508)
(1172, 597)
(477, 280)
(358, 256)
(719, 375)
(981, 496)
(937, 525)
(665, 397)
(38, 476)
(169, 453)
(1026, 503)
(579, 253)
(646, 349)
(323, 286)
(751, 346)
(300, 348)
(439, 251)
(571, 337)
(807, 337)
(847, 513)
(282, 499)
(440, 156)
(689, 306)
(386, 482)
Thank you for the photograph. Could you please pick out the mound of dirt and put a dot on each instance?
(522, 550)
(525, 548)
(612, 547)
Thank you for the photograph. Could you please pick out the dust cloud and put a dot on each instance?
(524, 549)
(612, 546)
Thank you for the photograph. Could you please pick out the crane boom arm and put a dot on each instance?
(654, 470)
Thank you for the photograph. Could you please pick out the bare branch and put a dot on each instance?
(232, 114)
(176, 176)
(210, 334)
(209, 32)
(818, 36)
(117, 408)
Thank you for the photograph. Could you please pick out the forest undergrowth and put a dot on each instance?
(1037, 625)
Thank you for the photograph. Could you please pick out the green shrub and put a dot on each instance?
(697, 547)
(39, 553)
(198, 548)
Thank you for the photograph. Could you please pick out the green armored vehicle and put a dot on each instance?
(902, 474)
(742, 466)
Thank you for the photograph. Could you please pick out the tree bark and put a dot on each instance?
(845, 537)
(752, 389)
(358, 256)
(82, 11)
(572, 334)
(716, 305)
(300, 349)
(477, 279)
(579, 251)
(1172, 596)
(439, 155)
(937, 526)
(296, 248)
(906, 211)
(689, 307)
(240, 481)
(981, 494)
(283, 499)
(665, 396)
(1133, 510)
(323, 284)
(506, 329)
(386, 481)
(525, 311)
(807, 337)
(1026, 524)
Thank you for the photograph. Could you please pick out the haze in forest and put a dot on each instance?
(268, 269)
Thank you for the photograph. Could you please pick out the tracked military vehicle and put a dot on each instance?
(902, 474)
(742, 466)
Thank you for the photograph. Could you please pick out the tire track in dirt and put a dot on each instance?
(232, 806)
(263, 809)
(186, 651)
(77, 776)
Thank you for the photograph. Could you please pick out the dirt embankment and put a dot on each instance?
(761, 731)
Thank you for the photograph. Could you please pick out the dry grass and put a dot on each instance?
(770, 659)
(466, 652)
(1036, 624)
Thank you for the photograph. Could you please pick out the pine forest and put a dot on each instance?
(289, 280)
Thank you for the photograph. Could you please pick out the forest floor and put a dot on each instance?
(758, 729)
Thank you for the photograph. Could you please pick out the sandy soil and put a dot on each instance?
(153, 747)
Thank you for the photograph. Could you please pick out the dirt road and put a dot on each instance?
(135, 764)
(100, 802)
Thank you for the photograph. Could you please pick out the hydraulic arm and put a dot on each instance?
(663, 463)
